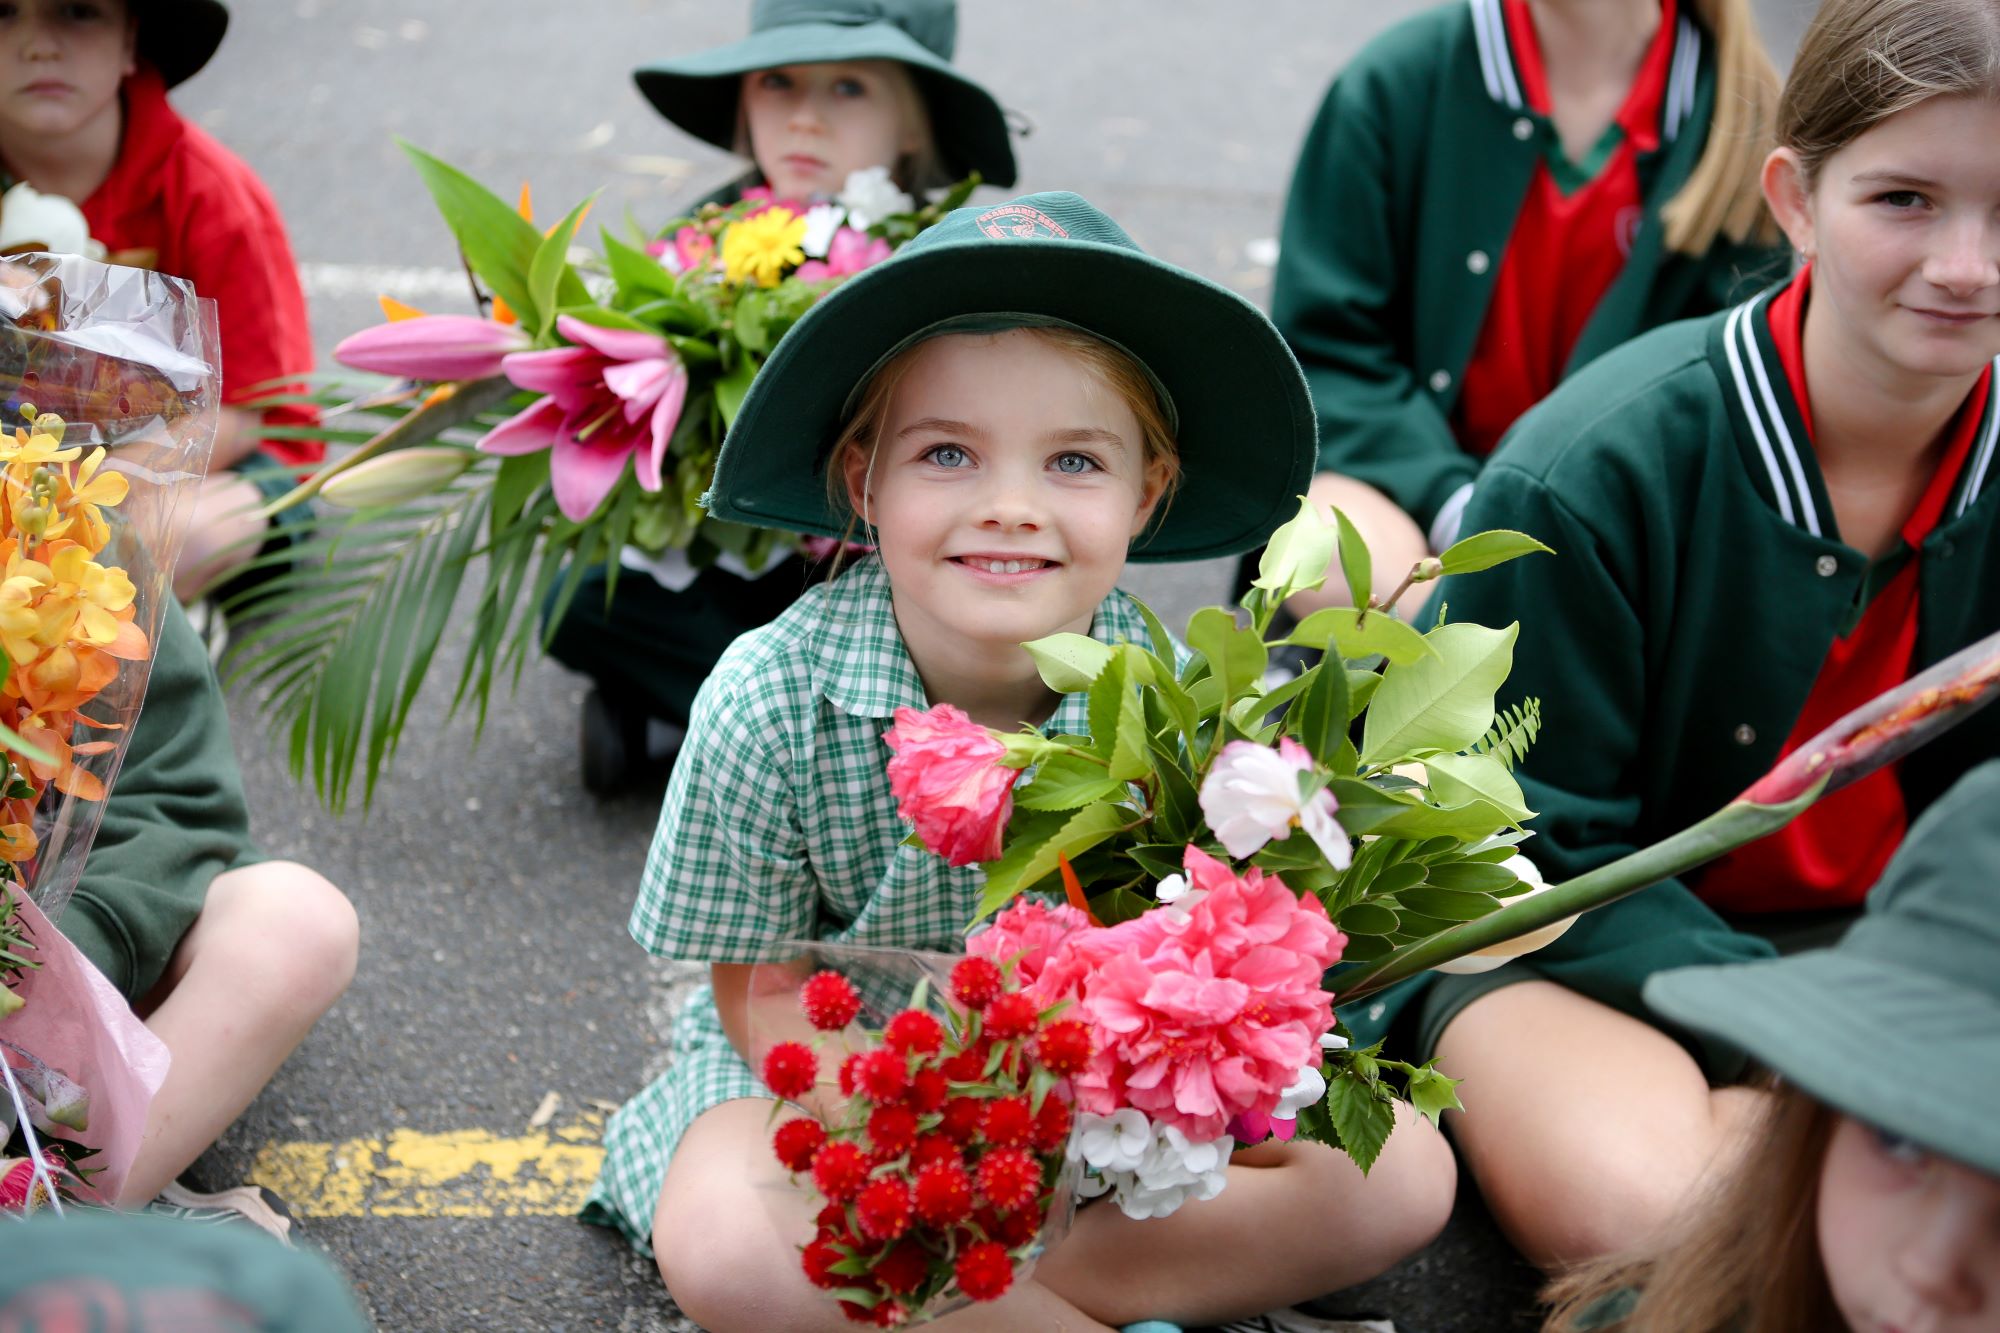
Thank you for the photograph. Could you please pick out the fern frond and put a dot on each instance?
(1513, 732)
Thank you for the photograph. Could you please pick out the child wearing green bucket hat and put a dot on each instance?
(1002, 409)
(850, 98)
(1869, 1196)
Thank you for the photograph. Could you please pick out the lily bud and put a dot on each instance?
(396, 477)
(1298, 554)
(433, 347)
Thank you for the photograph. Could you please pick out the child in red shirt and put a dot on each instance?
(84, 114)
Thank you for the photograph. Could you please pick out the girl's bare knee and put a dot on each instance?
(711, 1263)
(286, 929)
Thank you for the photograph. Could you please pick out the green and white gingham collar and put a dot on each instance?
(863, 669)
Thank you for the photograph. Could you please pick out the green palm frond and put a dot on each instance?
(1513, 732)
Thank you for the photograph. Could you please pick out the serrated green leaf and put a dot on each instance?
(1483, 550)
(1443, 702)
(1068, 663)
(1360, 634)
(1067, 782)
(1024, 864)
(1118, 719)
(1176, 802)
(1432, 1094)
(1355, 562)
(1363, 1114)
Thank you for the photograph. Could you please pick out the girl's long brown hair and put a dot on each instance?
(1722, 196)
(1744, 1258)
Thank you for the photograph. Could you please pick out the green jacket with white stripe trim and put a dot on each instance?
(1697, 586)
(1403, 200)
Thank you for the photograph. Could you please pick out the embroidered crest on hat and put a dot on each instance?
(1020, 222)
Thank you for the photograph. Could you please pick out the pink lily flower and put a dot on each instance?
(849, 253)
(433, 347)
(615, 394)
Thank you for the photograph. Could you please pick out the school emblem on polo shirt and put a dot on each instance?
(1018, 222)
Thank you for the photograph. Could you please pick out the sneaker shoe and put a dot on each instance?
(211, 625)
(1295, 1320)
(246, 1203)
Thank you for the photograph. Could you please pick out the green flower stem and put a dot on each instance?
(1731, 827)
(419, 427)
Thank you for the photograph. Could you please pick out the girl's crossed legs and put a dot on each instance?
(1297, 1221)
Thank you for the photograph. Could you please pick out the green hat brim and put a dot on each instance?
(699, 92)
(1246, 421)
(1913, 1054)
(178, 37)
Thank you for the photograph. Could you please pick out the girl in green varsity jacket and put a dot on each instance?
(1762, 519)
(1495, 193)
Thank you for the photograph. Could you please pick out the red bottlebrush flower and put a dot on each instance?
(1008, 1122)
(882, 1076)
(818, 1260)
(830, 1001)
(1008, 1178)
(1011, 1015)
(914, 1032)
(791, 1069)
(1063, 1046)
(963, 1117)
(929, 1090)
(943, 1194)
(839, 1170)
(984, 1271)
(850, 1073)
(883, 1209)
(975, 981)
(934, 1150)
(969, 1065)
(903, 1269)
(1052, 1124)
(796, 1141)
(892, 1130)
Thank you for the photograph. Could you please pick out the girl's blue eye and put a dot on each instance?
(1899, 1149)
(1901, 199)
(945, 455)
(1076, 465)
(773, 80)
(850, 88)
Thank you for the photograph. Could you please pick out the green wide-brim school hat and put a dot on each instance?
(1899, 1024)
(699, 92)
(1245, 421)
(177, 37)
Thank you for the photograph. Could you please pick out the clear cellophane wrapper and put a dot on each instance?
(888, 981)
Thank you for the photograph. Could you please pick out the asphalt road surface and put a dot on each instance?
(440, 1124)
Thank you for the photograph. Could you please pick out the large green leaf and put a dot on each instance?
(1117, 718)
(1355, 562)
(1360, 634)
(1320, 718)
(498, 242)
(1457, 778)
(1029, 862)
(1443, 702)
(1068, 662)
(552, 283)
(1236, 657)
(1067, 782)
(1483, 550)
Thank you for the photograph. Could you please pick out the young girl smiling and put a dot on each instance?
(1003, 408)
(1763, 520)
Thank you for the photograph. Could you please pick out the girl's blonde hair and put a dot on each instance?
(1111, 366)
(1862, 61)
(1722, 195)
(1744, 1256)
(919, 171)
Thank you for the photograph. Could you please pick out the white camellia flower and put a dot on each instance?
(1117, 1142)
(1251, 797)
(870, 195)
(1488, 959)
(822, 221)
(45, 221)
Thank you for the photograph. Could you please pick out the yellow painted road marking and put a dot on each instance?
(458, 1173)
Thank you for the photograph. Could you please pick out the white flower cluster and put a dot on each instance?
(869, 196)
(45, 222)
(1149, 1170)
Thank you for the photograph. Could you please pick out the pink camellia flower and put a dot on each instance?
(1028, 934)
(1251, 797)
(686, 250)
(849, 253)
(616, 394)
(1207, 1014)
(432, 348)
(949, 782)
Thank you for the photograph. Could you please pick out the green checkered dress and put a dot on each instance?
(779, 825)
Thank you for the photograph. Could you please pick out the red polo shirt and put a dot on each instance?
(177, 192)
(1568, 245)
(1831, 855)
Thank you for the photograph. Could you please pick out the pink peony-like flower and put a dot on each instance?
(615, 394)
(1028, 934)
(685, 251)
(1206, 1014)
(1251, 797)
(949, 782)
(850, 252)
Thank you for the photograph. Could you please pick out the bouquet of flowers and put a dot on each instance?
(940, 1170)
(87, 542)
(573, 424)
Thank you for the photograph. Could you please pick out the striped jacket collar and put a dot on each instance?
(1502, 72)
(1782, 461)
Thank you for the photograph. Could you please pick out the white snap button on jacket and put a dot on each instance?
(1523, 128)
(1440, 380)
(1478, 262)
(1746, 734)
(1827, 566)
